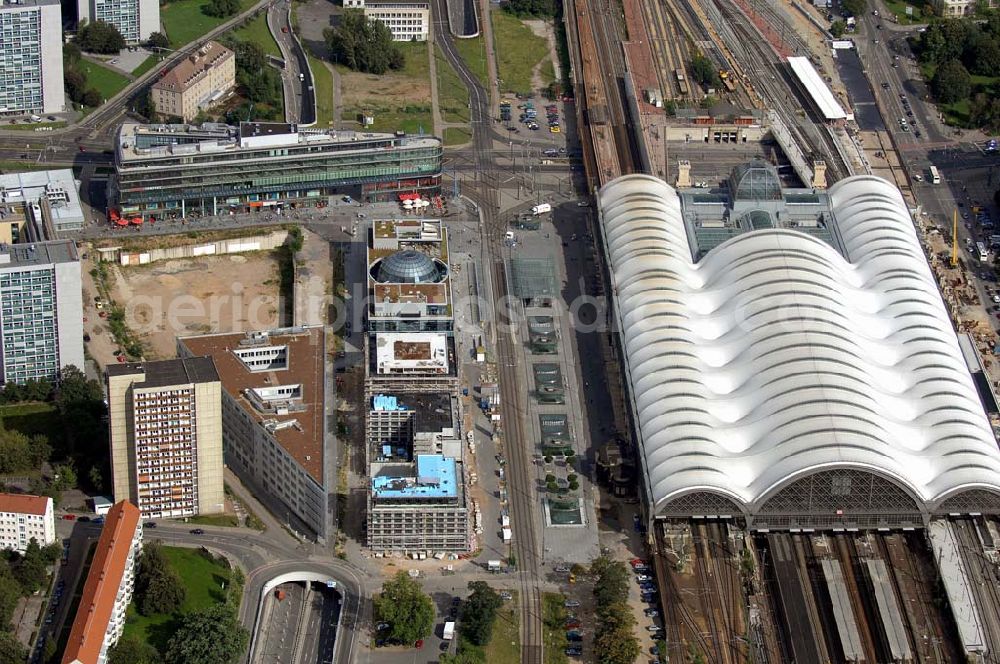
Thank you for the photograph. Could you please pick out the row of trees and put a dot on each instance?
(363, 44)
(531, 8)
(614, 640)
(158, 588)
(75, 80)
(20, 576)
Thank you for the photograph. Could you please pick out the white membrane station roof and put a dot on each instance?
(776, 362)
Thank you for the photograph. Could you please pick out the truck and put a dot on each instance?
(507, 535)
(449, 631)
(541, 208)
(493, 566)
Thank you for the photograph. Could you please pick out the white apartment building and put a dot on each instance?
(135, 19)
(41, 308)
(23, 518)
(407, 21)
(100, 618)
(31, 64)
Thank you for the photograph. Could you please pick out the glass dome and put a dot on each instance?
(755, 181)
(409, 267)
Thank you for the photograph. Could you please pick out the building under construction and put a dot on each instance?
(414, 448)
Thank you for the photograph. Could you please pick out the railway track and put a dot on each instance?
(522, 503)
(773, 85)
(983, 582)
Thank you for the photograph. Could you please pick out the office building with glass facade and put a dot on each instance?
(135, 19)
(216, 168)
(31, 65)
(41, 309)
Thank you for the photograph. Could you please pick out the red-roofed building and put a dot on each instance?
(100, 618)
(23, 517)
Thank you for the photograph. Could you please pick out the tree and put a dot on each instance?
(130, 650)
(99, 37)
(984, 112)
(523, 8)
(479, 612)
(951, 82)
(51, 553)
(854, 7)
(616, 646)
(983, 57)
(222, 8)
(158, 588)
(408, 610)
(11, 650)
(612, 582)
(159, 40)
(363, 44)
(30, 570)
(703, 71)
(211, 636)
(837, 29)
(10, 592)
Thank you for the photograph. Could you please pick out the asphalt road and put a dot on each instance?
(296, 79)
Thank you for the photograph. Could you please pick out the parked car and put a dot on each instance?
(643, 577)
(571, 603)
(149, 524)
(197, 531)
(651, 613)
(573, 651)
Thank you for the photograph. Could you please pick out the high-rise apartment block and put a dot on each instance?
(166, 436)
(100, 618)
(198, 82)
(41, 310)
(24, 518)
(31, 65)
(135, 19)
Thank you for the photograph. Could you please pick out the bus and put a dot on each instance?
(935, 175)
(984, 255)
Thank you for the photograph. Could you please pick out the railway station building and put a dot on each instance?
(788, 360)
(216, 168)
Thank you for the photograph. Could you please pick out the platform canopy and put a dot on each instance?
(812, 82)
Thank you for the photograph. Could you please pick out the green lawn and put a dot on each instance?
(323, 87)
(146, 65)
(553, 620)
(184, 21)
(898, 7)
(32, 418)
(505, 644)
(32, 126)
(256, 31)
(411, 119)
(453, 98)
(104, 80)
(518, 51)
(224, 520)
(7, 166)
(202, 578)
(474, 55)
(457, 136)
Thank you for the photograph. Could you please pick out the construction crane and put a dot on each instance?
(954, 240)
